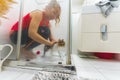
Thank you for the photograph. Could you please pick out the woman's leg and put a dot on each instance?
(44, 32)
(29, 43)
(24, 40)
(24, 37)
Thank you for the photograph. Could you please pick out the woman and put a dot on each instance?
(36, 28)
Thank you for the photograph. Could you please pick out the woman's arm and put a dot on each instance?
(33, 28)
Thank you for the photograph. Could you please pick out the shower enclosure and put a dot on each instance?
(54, 55)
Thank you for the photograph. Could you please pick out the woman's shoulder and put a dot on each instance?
(36, 13)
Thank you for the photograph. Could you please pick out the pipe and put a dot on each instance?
(1, 47)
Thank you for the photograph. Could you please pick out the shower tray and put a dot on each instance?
(44, 71)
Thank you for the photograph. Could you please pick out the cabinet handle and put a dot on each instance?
(103, 31)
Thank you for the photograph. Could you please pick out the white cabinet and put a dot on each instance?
(100, 34)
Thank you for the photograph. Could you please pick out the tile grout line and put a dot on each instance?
(98, 70)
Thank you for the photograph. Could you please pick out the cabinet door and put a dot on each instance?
(92, 42)
(93, 22)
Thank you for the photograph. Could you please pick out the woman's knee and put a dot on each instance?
(13, 37)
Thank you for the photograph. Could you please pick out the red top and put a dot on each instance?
(26, 22)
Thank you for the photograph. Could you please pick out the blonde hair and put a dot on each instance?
(54, 4)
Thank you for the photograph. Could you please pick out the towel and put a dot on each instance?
(107, 6)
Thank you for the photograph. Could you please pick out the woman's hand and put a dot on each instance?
(53, 42)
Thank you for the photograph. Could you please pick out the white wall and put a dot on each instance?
(75, 30)
(90, 2)
(12, 15)
(76, 5)
(76, 12)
